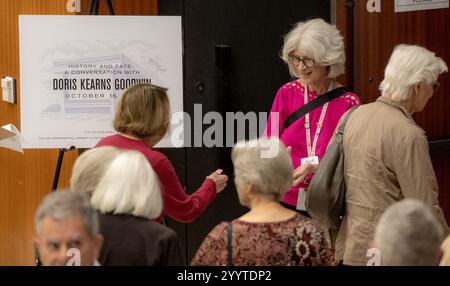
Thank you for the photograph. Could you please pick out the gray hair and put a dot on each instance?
(90, 167)
(268, 175)
(64, 205)
(319, 40)
(129, 186)
(409, 234)
(410, 65)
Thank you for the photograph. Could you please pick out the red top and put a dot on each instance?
(177, 204)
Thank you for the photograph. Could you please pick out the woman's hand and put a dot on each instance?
(302, 172)
(219, 179)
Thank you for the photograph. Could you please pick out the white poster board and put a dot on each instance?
(416, 5)
(73, 69)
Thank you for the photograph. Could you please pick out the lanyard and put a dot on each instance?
(312, 149)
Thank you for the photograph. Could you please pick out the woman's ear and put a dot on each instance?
(414, 90)
(417, 88)
(249, 189)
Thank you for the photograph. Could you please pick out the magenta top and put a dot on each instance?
(288, 99)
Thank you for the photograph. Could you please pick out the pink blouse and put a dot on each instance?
(288, 99)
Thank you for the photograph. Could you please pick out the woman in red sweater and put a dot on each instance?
(142, 119)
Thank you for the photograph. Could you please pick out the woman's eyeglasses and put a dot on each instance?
(295, 61)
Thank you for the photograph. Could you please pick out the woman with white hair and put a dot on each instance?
(90, 167)
(386, 152)
(129, 199)
(269, 234)
(314, 53)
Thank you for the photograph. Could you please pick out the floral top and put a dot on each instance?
(296, 241)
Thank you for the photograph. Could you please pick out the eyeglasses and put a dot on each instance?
(295, 61)
(436, 86)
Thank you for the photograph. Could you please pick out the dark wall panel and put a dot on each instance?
(231, 64)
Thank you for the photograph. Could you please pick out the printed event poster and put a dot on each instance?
(73, 70)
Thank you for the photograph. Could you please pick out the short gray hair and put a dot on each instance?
(64, 205)
(268, 175)
(90, 167)
(409, 234)
(321, 41)
(409, 65)
(129, 186)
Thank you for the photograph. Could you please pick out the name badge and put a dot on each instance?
(301, 199)
(310, 160)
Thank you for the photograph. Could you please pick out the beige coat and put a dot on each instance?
(386, 160)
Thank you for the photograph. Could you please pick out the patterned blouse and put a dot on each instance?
(296, 241)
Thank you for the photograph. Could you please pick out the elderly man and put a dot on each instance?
(409, 234)
(67, 230)
(386, 152)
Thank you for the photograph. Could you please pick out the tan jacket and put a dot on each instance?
(386, 160)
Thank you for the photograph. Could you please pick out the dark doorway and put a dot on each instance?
(231, 64)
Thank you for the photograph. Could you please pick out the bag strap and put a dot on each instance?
(310, 106)
(341, 128)
(230, 244)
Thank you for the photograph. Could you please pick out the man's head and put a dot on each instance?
(67, 226)
(411, 76)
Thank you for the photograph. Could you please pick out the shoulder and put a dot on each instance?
(161, 231)
(154, 153)
(390, 122)
(348, 98)
(219, 231)
(290, 87)
(108, 140)
(158, 160)
(143, 226)
(413, 135)
(399, 122)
